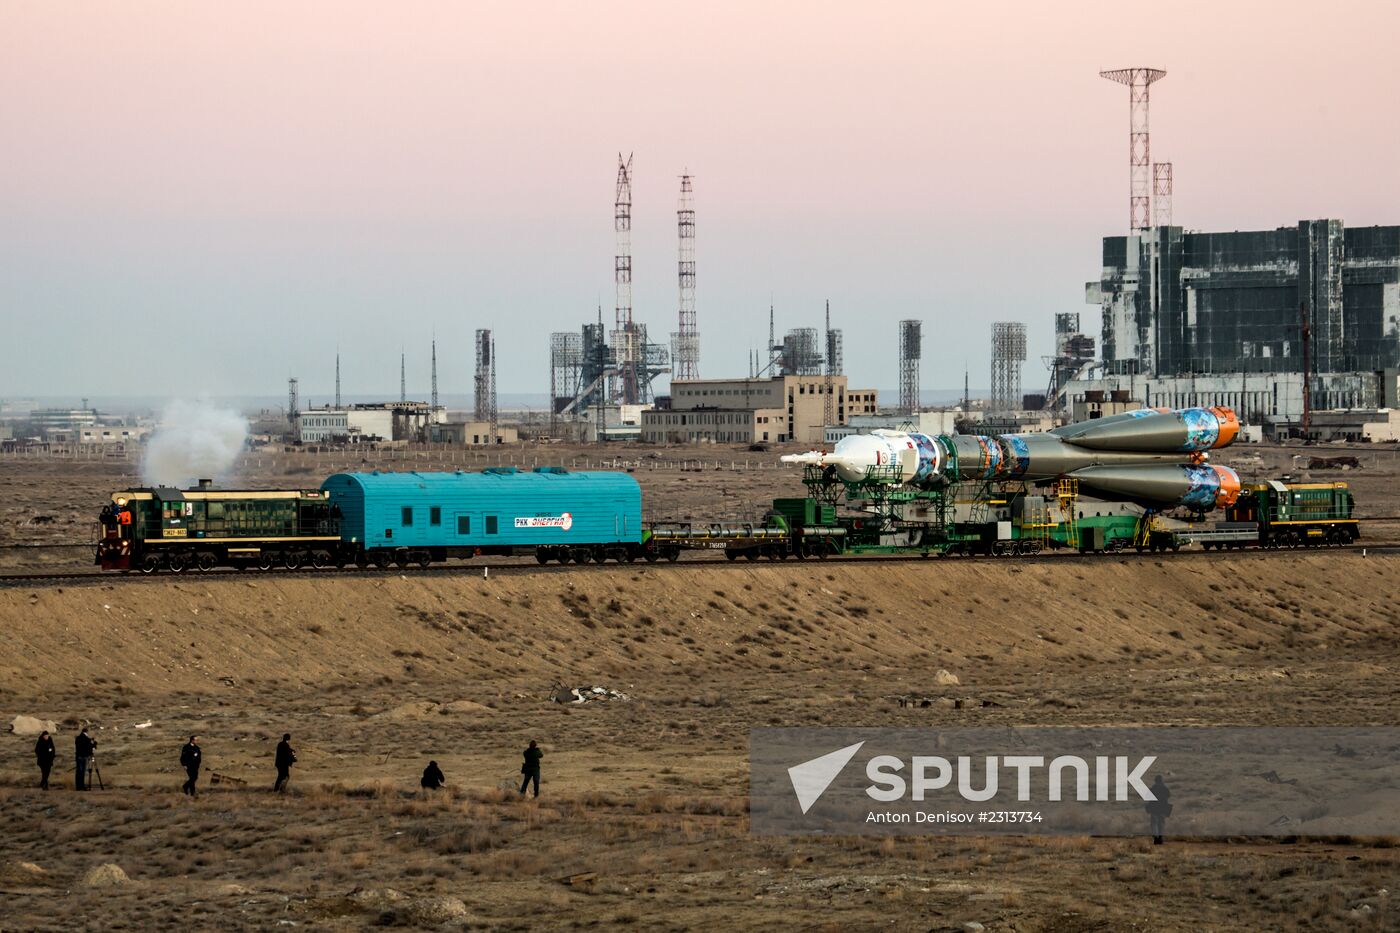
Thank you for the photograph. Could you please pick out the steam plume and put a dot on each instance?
(195, 440)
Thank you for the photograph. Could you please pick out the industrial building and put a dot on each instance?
(383, 421)
(471, 433)
(1238, 318)
(772, 409)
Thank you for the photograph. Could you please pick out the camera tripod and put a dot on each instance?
(93, 769)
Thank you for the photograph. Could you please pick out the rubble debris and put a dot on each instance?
(943, 678)
(216, 778)
(578, 878)
(580, 695)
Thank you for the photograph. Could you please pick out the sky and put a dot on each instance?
(207, 198)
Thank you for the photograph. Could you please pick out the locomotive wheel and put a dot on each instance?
(266, 560)
(292, 560)
(149, 563)
(362, 560)
(176, 562)
(206, 561)
(320, 560)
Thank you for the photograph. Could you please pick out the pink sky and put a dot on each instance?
(259, 181)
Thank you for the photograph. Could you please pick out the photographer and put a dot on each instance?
(189, 760)
(45, 753)
(84, 747)
(284, 760)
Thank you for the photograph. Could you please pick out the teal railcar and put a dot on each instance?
(422, 517)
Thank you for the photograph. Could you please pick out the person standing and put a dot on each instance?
(83, 748)
(531, 767)
(189, 760)
(45, 753)
(284, 760)
(1158, 810)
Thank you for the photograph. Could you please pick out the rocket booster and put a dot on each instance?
(1152, 455)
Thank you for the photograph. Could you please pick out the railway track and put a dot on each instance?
(519, 566)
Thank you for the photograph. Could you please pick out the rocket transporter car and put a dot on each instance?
(1094, 486)
(1154, 457)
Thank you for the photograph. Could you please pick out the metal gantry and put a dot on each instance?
(1008, 353)
(486, 380)
(911, 350)
(624, 338)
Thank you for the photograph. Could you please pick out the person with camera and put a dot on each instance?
(84, 747)
(189, 760)
(530, 768)
(45, 752)
(284, 760)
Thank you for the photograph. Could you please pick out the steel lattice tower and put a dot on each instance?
(686, 341)
(1138, 80)
(337, 379)
(486, 380)
(911, 349)
(1008, 353)
(403, 380)
(1161, 194)
(435, 391)
(293, 399)
(624, 335)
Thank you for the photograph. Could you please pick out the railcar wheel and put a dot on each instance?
(150, 563)
(425, 558)
(751, 554)
(541, 555)
(206, 561)
(651, 556)
(382, 560)
(176, 562)
(673, 555)
(320, 560)
(266, 560)
(292, 561)
(731, 555)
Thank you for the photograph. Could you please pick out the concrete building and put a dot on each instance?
(1377, 426)
(384, 421)
(743, 411)
(112, 434)
(470, 433)
(47, 420)
(1185, 302)
(1216, 319)
(1096, 403)
(933, 421)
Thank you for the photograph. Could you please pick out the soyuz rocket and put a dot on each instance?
(1154, 456)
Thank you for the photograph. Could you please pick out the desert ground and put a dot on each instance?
(644, 796)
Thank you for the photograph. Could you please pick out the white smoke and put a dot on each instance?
(194, 441)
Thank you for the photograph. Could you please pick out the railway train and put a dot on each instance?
(417, 519)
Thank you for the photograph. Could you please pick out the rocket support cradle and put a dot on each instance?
(1155, 456)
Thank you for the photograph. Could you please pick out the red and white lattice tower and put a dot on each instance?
(1138, 80)
(625, 355)
(685, 343)
(1162, 194)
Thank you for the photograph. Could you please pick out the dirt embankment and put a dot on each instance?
(224, 634)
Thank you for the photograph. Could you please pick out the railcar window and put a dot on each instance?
(435, 516)
(407, 516)
(490, 524)
(464, 524)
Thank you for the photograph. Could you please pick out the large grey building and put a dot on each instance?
(1183, 309)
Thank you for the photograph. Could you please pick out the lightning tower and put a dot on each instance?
(686, 341)
(435, 391)
(624, 334)
(337, 379)
(1008, 353)
(293, 399)
(1138, 80)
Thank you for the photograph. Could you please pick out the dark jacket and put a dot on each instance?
(285, 756)
(44, 750)
(189, 755)
(432, 777)
(84, 746)
(532, 760)
(1162, 805)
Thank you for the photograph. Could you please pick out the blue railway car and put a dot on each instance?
(418, 518)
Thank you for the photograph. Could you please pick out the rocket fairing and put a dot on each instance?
(1154, 456)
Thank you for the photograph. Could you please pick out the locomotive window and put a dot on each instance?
(435, 515)
(464, 524)
(407, 516)
(490, 524)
